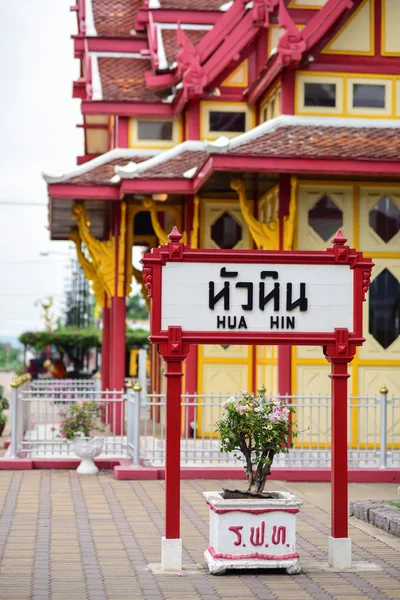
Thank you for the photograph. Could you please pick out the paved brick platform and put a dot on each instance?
(68, 537)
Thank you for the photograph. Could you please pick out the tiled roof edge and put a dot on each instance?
(129, 172)
(304, 121)
(115, 154)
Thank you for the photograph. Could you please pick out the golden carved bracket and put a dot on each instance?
(162, 235)
(266, 235)
(88, 268)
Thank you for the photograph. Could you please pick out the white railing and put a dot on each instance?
(373, 439)
(62, 384)
(134, 425)
(38, 410)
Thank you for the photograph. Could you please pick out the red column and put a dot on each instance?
(193, 120)
(339, 515)
(284, 370)
(284, 352)
(173, 448)
(287, 92)
(105, 346)
(118, 333)
(190, 386)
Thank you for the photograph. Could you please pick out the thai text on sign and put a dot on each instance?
(256, 297)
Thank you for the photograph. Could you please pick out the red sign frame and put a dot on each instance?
(338, 254)
(339, 347)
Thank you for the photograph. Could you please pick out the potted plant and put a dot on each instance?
(253, 529)
(77, 422)
(4, 405)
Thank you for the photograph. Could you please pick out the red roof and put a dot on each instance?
(115, 18)
(123, 79)
(170, 42)
(192, 4)
(102, 175)
(333, 142)
(284, 137)
(177, 166)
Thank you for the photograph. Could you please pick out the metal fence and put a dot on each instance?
(374, 441)
(65, 384)
(134, 425)
(36, 414)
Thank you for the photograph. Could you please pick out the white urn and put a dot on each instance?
(252, 533)
(87, 449)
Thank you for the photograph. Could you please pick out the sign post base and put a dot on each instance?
(171, 554)
(339, 553)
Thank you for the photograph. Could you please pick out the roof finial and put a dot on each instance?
(339, 239)
(175, 237)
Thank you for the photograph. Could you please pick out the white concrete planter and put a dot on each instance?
(252, 533)
(87, 449)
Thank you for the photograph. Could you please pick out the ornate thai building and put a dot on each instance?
(263, 124)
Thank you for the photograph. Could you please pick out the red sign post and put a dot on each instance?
(302, 298)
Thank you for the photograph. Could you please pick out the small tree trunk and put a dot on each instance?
(257, 485)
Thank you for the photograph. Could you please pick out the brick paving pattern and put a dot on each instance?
(68, 537)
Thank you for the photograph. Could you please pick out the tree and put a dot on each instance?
(136, 307)
(9, 357)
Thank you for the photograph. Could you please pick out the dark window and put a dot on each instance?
(227, 121)
(384, 219)
(264, 114)
(368, 95)
(320, 94)
(155, 130)
(384, 308)
(325, 218)
(272, 109)
(226, 232)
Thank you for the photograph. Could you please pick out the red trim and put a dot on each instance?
(124, 470)
(383, 65)
(253, 555)
(333, 166)
(127, 109)
(177, 16)
(122, 132)
(261, 511)
(339, 254)
(80, 160)
(83, 192)
(102, 44)
(170, 186)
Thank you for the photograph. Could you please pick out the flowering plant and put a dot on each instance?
(259, 427)
(79, 419)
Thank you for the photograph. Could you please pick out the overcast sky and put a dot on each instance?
(37, 132)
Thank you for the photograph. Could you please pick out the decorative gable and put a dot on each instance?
(357, 34)
(390, 28)
(313, 4)
(238, 77)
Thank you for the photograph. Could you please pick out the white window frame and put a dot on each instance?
(362, 111)
(136, 142)
(301, 109)
(224, 107)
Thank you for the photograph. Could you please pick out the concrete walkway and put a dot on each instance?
(68, 537)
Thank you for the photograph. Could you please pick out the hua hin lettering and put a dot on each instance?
(268, 295)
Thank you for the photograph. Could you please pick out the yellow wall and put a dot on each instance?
(344, 83)
(390, 28)
(373, 366)
(357, 35)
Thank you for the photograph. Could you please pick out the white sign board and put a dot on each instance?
(256, 297)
